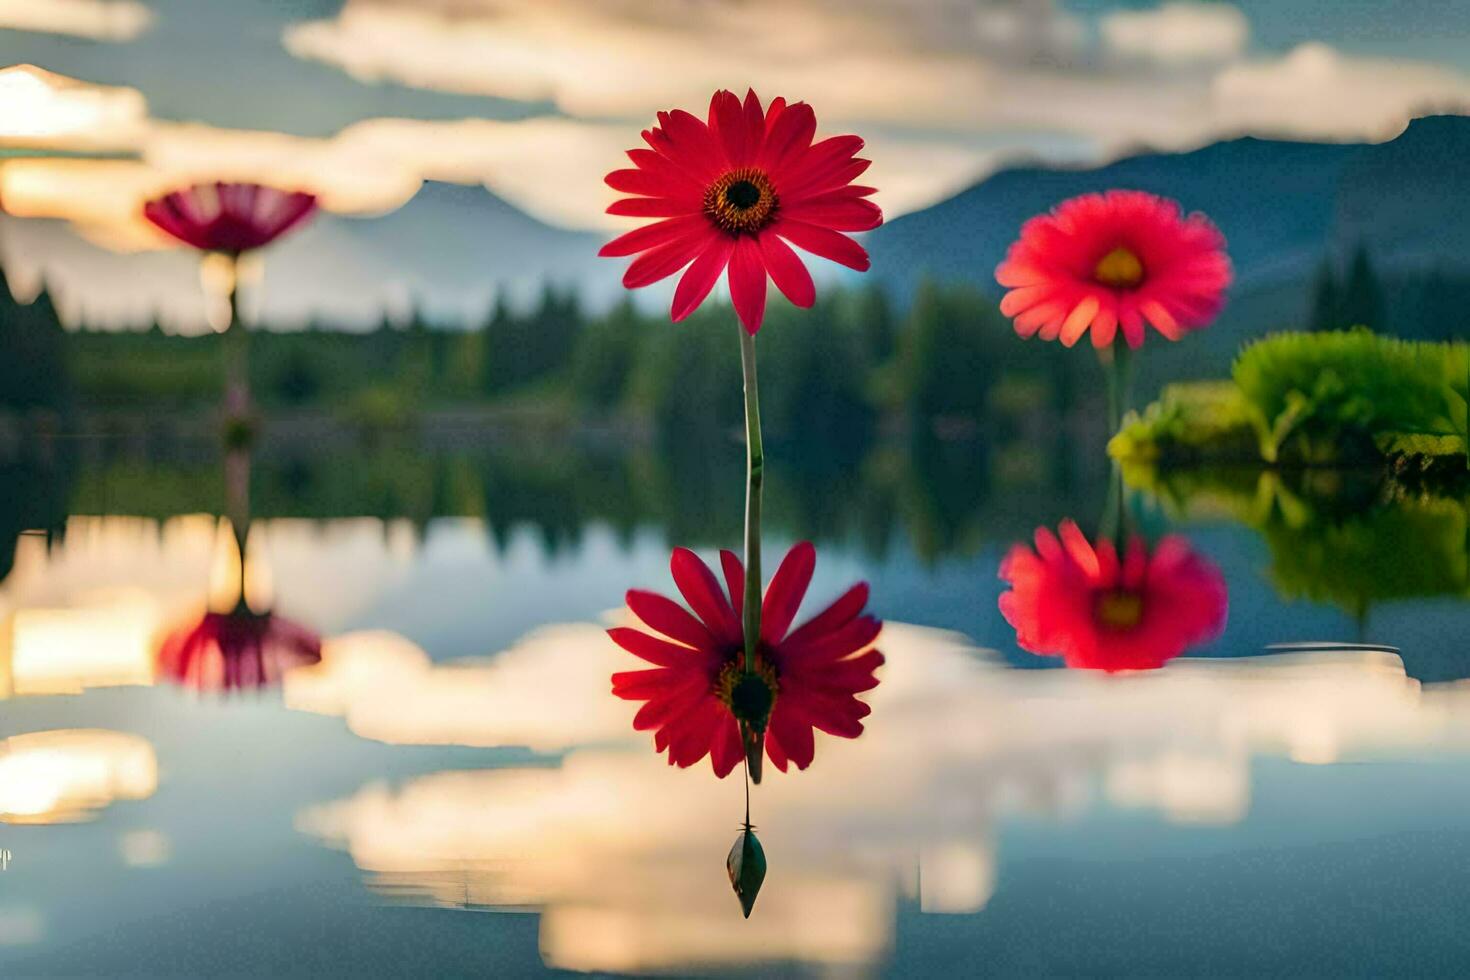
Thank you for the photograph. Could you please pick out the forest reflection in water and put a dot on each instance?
(513, 780)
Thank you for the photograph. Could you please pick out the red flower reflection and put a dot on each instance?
(1072, 599)
(1104, 261)
(229, 218)
(698, 691)
(738, 190)
(239, 649)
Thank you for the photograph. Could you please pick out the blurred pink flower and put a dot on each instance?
(1109, 261)
(239, 649)
(229, 218)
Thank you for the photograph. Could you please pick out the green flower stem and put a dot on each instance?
(755, 474)
(1120, 383)
(1119, 369)
(237, 350)
(1115, 511)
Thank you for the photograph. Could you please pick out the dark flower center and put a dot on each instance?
(749, 697)
(1119, 609)
(743, 194)
(752, 697)
(741, 201)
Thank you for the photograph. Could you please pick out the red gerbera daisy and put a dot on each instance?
(238, 649)
(1072, 599)
(1102, 261)
(698, 692)
(229, 218)
(734, 191)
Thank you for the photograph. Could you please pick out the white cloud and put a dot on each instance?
(943, 72)
(65, 775)
(99, 20)
(1178, 33)
(550, 167)
(41, 109)
(1317, 92)
(389, 690)
(909, 63)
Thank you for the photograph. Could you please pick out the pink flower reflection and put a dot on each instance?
(235, 650)
(1077, 600)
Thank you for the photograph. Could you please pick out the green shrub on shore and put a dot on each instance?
(1191, 421)
(1329, 395)
(1320, 398)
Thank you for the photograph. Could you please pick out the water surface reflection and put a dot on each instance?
(612, 847)
(452, 749)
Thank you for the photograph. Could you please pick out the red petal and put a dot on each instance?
(840, 677)
(691, 138)
(787, 270)
(648, 207)
(702, 591)
(701, 276)
(641, 685)
(691, 736)
(774, 750)
(666, 170)
(632, 181)
(839, 715)
(654, 650)
(661, 262)
(734, 580)
(748, 284)
(838, 211)
(795, 735)
(837, 644)
(727, 121)
(787, 589)
(661, 711)
(671, 619)
(755, 125)
(656, 234)
(817, 164)
(824, 242)
(833, 618)
(727, 751)
(838, 178)
(789, 136)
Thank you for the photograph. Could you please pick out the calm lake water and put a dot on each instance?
(454, 791)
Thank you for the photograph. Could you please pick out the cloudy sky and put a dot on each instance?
(361, 100)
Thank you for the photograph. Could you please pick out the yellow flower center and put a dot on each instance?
(1120, 268)
(741, 201)
(748, 696)
(1119, 610)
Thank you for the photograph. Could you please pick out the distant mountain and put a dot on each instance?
(447, 252)
(1274, 201)
(1283, 207)
(1409, 200)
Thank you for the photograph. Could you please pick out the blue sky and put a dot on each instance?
(363, 100)
(945, 87)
